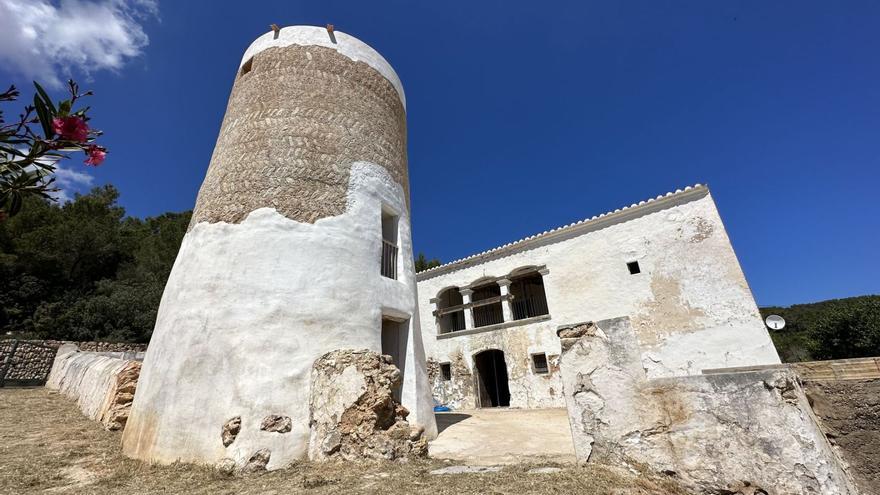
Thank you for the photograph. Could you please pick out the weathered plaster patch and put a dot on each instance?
(668, 312)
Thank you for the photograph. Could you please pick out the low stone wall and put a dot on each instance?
(733, 433)
(102, 384)
(92, 346)
(24, 363)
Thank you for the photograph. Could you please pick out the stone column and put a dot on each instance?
(468, 312)
(506, 308)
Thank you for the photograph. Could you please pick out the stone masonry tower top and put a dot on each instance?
(345, 44)
(307, 103)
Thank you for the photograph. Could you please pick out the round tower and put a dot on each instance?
(299, 244)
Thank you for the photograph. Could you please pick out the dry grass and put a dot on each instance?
(48, 446)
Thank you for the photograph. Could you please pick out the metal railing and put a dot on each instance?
(490, 314)
(389, 259)
(528, 307)
(452, 322)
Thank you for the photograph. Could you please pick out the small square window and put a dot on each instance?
(446, 371)
(539, 361)
(247, 66)
(633, 267)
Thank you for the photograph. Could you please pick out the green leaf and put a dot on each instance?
(44, 117)
(46, 99)
(64, 108)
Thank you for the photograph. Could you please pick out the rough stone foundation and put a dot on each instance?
(849, 413)
(353, 412)
(732, 433)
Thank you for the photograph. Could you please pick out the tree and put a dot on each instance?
(83, 270)
(422, 263)
(31, 147)
(848, 330)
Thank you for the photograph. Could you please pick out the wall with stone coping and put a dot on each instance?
(95, 346)
(102, 384)
(691, 306)
(717, 433)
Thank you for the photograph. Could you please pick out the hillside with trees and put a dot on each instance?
(84, 270)
(833, 329)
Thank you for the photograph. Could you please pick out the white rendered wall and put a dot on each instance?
(690, 305)
(247, 310)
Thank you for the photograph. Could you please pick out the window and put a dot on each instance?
(539, 364)
(633, 267)
(389, 245)
(529, 299)
(446, 371)
(247, 66)
(452, 320)
(487, 305)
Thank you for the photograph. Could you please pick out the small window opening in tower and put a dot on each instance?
(633, 267)
(539, 362)
(389, 244)
(247, 67)
(446, 371)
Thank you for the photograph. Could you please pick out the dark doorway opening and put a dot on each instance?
(492, 387)
(394, 343)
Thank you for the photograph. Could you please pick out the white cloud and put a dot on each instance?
(69, 182)
(45, 40)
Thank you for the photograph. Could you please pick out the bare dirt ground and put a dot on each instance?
(504, 436)
(48, 446)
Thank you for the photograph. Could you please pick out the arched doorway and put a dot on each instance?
(491, 378)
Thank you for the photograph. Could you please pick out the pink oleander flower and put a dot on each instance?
(96, 155)
(71, 128)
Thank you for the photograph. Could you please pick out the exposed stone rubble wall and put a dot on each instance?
(103, 386)
(734, 433)
(849, 414)
(22, 362)
(299, 119)
(93, 346)
(353, 413)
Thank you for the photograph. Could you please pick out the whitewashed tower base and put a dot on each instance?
(283, 256)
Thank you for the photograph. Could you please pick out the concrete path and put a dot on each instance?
(503, 436)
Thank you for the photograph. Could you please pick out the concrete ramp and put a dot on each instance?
(503, 436)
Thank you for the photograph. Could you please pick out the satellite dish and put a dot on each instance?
(775, 322)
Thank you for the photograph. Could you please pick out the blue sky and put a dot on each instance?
(524, 116)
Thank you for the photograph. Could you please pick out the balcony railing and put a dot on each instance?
(389, 259)
(528, 307)
(452, 322)
(490, 314)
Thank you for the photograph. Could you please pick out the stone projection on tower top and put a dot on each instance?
(299, 245)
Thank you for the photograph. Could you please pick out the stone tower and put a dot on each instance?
(299, 244)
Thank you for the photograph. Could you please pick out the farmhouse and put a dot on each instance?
(490, 321)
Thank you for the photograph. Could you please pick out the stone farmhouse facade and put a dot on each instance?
(490, 321)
